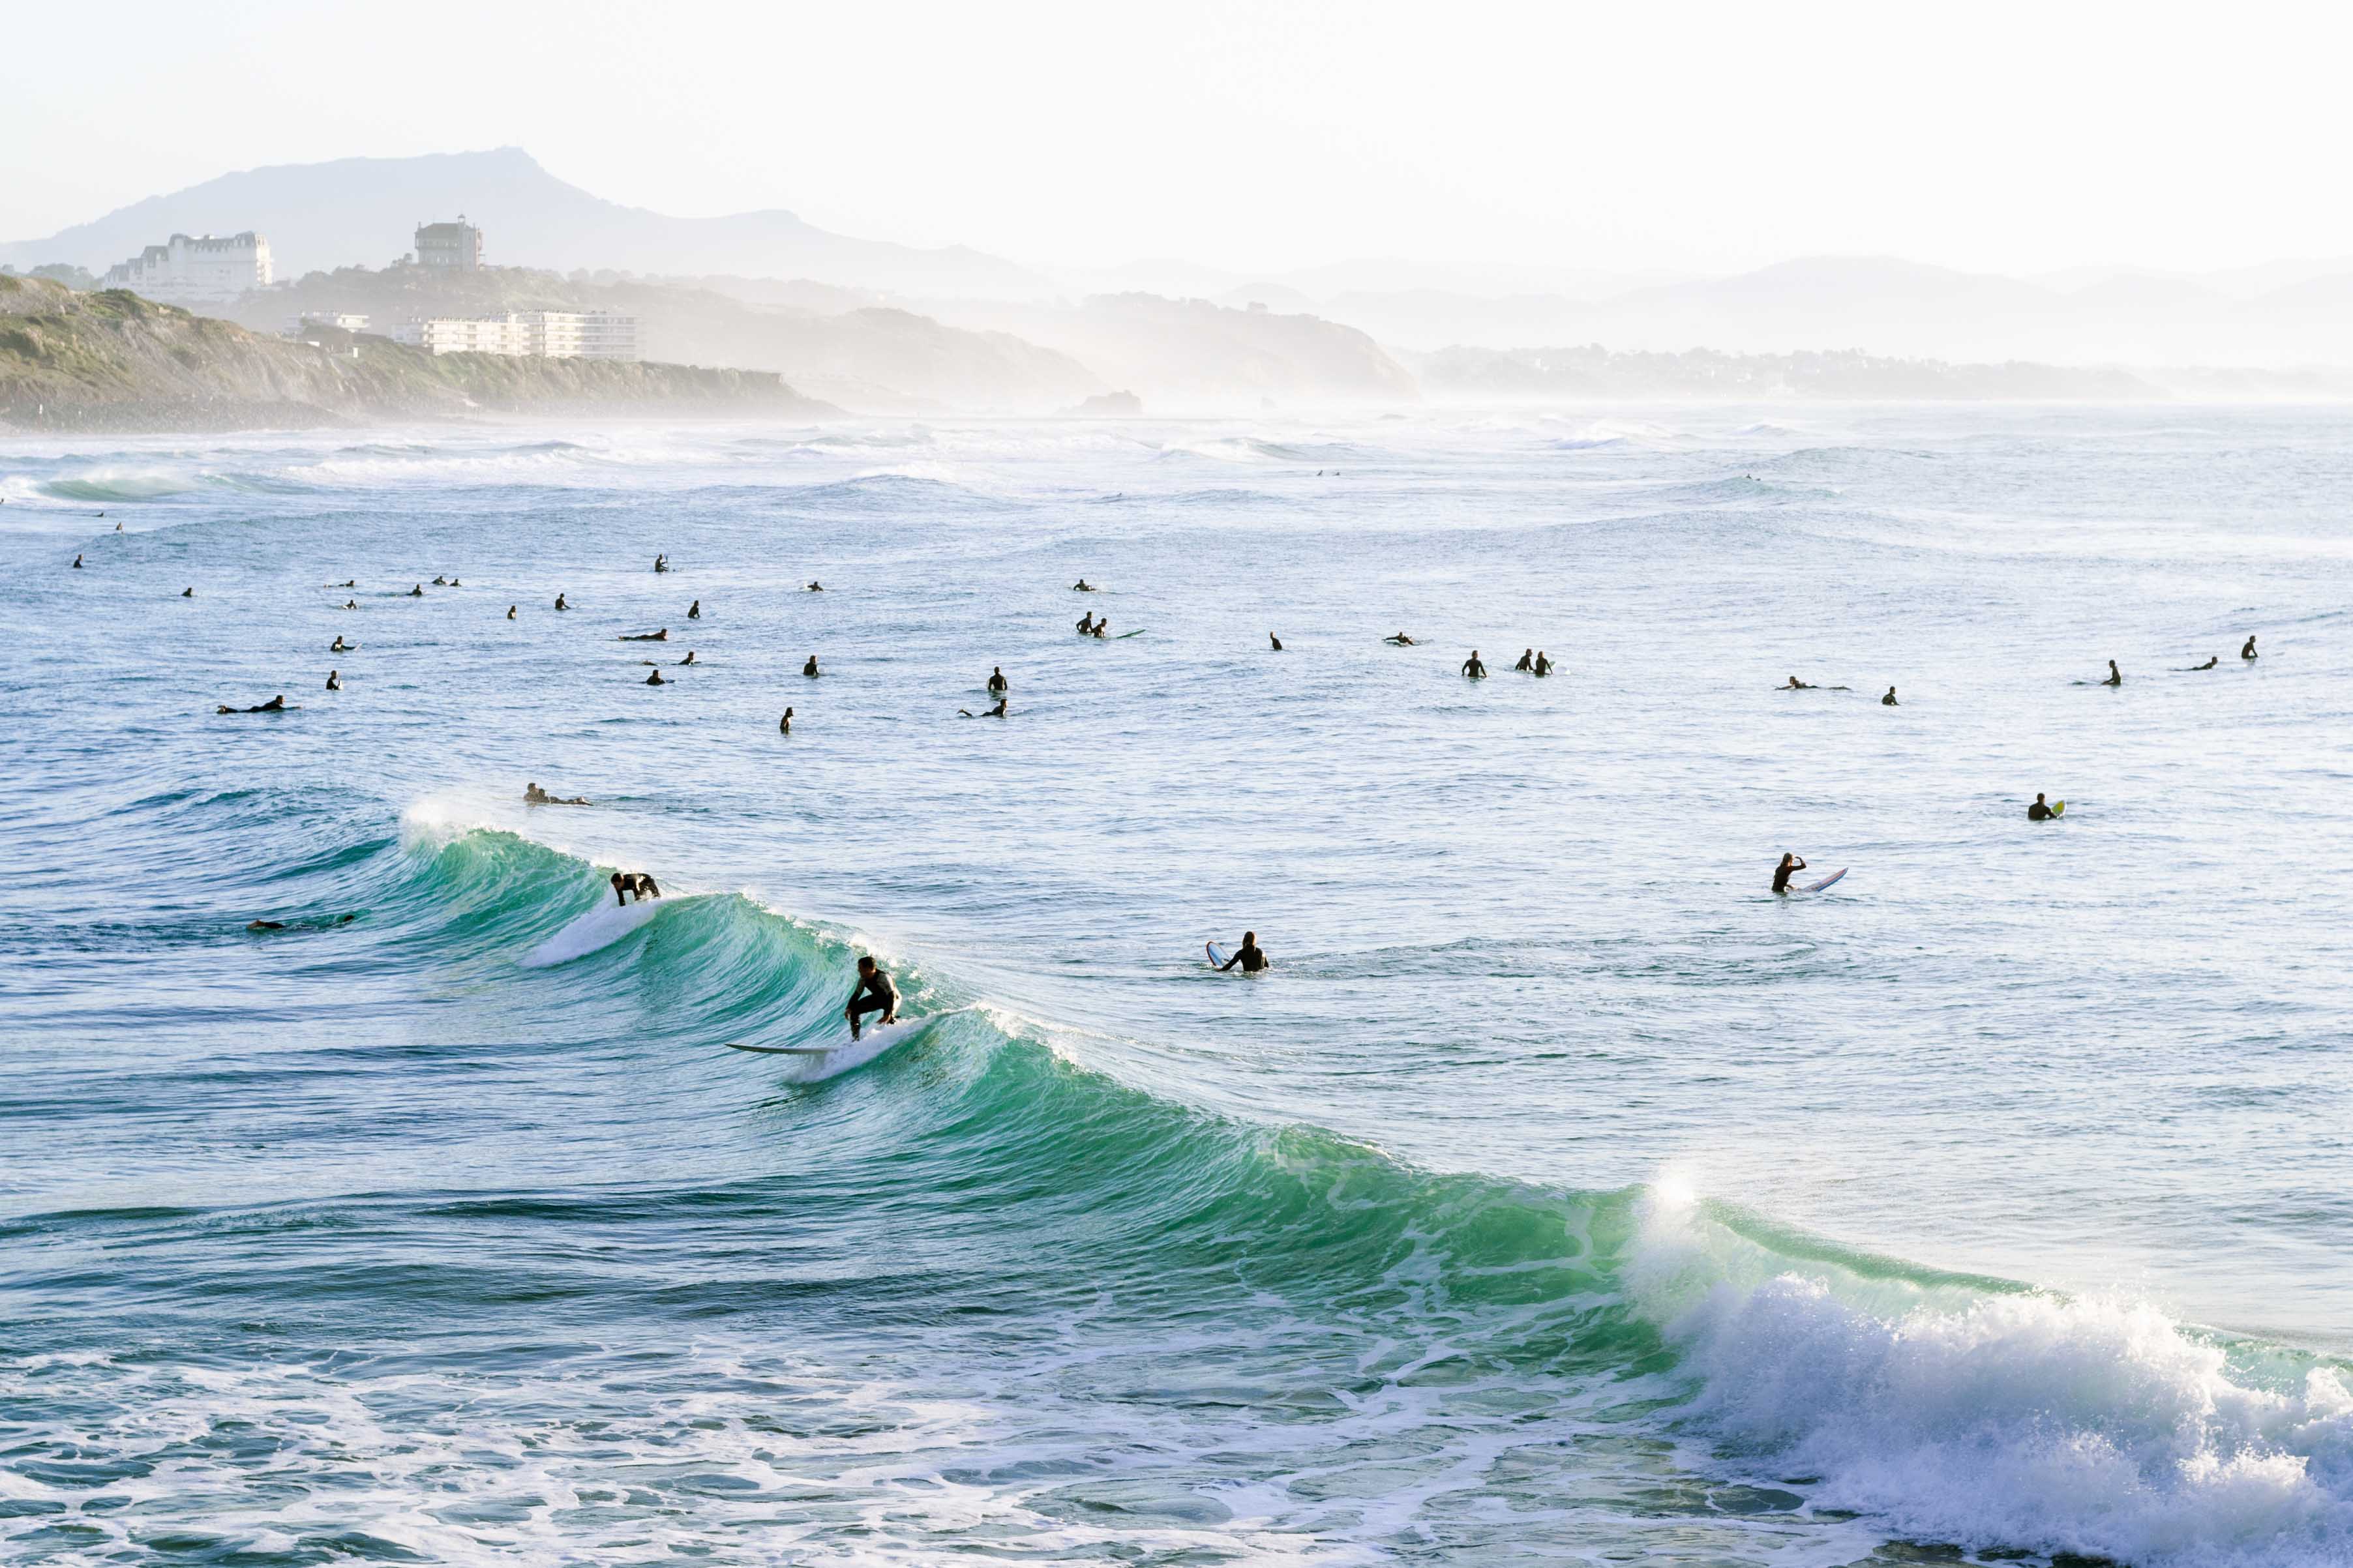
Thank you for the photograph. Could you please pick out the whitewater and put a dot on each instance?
(1561, 1195)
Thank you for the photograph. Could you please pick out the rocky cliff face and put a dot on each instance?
(112, 361)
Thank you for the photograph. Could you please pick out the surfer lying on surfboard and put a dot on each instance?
(872, 992)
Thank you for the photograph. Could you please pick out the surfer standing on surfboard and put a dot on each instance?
(872, 992)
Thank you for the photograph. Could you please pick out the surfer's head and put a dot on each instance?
(865, 963)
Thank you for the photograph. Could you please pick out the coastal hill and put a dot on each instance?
(363, 212)
(832, 344)
(112, 361)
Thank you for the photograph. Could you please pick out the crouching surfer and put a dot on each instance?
(873, 992)
(627, 882)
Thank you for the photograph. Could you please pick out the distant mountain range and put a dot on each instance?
(892, 326)
(364, 212)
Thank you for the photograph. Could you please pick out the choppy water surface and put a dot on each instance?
(1560, 1196)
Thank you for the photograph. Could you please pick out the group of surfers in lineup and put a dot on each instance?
(2041, 810)
(874, 991)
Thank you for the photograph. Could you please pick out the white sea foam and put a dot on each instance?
(2091, 1426)
(599, 929)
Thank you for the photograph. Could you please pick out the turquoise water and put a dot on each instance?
(1560, 1196)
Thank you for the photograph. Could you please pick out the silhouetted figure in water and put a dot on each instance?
(275, 705)
(535, 795)
(694, 611)
(510, 610)
(873, 992)
(687, 660)
(334, 680)
(2115, 676)
(1081, 586)
(1400, 640)
(661, 635)
(340, 646)
(2246, 652)
(1544, 665)
(417, 592)
(2041, 810)
(441, 582)
(656, 680)
(76, 565)
(191, 593)
(1789, 863)
(1102, 628)
(816, 588)
(1249, 956)
(1889, 701)
(1472, 668)
(1527, 664)
(348, 603)
(785, 724)
(1797, 684)
(662, 563)
(560, 603)
(1087, 624)
(346, 582)
(995, 712)
(2209, 664)
(633, 882)
(810, 668)
(1275, 640)
(996, 682)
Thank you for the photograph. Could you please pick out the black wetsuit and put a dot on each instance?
(1252, 958)
(1781, 874)
(872, 994)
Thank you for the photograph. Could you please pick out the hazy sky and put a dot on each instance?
(1263, 136)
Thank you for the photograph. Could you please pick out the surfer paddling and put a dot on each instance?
(535, 795)
(873, 992)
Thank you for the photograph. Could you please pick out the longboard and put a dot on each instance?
(1826, 881)
(875, 1033)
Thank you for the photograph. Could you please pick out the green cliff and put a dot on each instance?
(112, 361)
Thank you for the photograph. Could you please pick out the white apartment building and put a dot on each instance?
(196, 269)
(539, 335)
(466, 335)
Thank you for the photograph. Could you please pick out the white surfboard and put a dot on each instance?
(1217, 958)
(866, 1036)
(600, 927)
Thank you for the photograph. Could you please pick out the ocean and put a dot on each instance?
(1560, 1195)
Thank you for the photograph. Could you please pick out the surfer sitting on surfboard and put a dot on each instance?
(1249, 956)
(872, 992)
(1789, 863)
(2040, 811)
